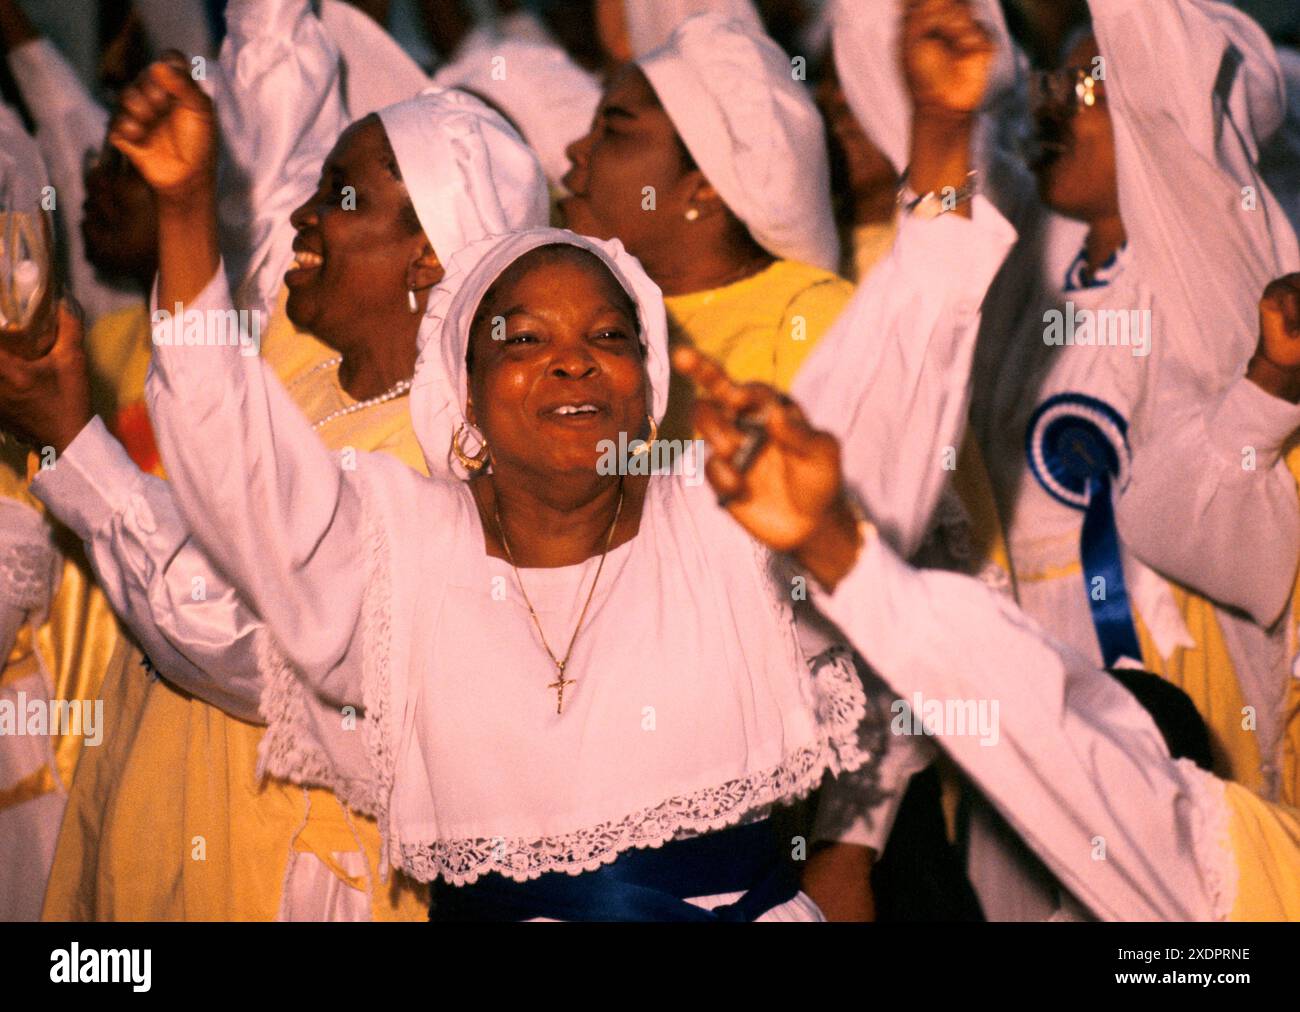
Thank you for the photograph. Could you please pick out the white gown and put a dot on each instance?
(1187, 143)
(466, 774)
(1079, 769)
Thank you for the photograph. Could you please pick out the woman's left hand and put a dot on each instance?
(791, 497)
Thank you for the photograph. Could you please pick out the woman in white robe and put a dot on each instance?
(635, 760)
(1073, 761)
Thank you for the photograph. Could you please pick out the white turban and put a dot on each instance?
(753, 131)
(375, 70)
(468, 172)
(650, 23)
(440, 390)
(880, 101)
(550, 98)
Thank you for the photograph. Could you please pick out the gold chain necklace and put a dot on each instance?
(561, 683)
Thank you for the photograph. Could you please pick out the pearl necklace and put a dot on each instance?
(398, 389)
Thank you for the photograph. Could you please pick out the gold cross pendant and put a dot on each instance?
(559, 686)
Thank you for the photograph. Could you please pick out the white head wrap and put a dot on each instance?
(375, 70)
(754, 132)
(880, 101)
(441, 387)
(550, 98)
(650, 23)
(468, 172)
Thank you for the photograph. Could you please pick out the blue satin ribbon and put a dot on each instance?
(641, 885)
(1081, 458)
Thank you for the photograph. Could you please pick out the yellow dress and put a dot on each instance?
(760, 328)
(1265, 841)
(1207, 675)
(75, 643)
(166, 820)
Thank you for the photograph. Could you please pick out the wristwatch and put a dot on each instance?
(936, 202)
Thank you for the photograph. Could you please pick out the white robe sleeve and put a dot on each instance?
(1194, 89)
(197, 632)
(1076, 765)
(28, 570)
(891, 379)
(280, 106)
(268, 503)
(1211, 504)
(69, 123)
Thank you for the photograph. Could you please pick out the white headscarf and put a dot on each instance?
(468, 172)
(650, 23)
(550, 98)
(441, 387)
(754, 132)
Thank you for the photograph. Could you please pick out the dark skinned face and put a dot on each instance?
(1076, 172)
(357, 262)
(570, 342)
(856, 160)
(119, 225)
(632, 144)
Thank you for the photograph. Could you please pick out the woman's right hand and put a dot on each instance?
(167, 127)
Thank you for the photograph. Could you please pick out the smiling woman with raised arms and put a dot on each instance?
(552, 669)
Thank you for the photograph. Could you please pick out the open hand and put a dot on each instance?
(791, 497)
(166, 126)
(947, 56)
(46, 401)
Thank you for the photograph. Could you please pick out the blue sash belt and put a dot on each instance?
(1078, 446)
(641, 885)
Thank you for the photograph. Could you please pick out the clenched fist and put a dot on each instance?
(1276, 365)
(947, 56)
(791, 494)
(166, 126)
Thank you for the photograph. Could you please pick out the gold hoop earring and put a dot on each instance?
(471, 464)
(654, 434)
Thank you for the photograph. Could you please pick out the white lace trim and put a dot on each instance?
(841, 707)
(286, 750)
(1212, 839)
(26, 574)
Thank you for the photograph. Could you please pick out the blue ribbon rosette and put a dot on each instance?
(1078, 449)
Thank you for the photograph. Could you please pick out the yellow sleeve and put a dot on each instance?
(808, 317)
(1266, 844)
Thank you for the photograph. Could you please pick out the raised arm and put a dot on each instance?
(1211, 501)
(267, 502)
(1064, 752)
(866, 39)
(1194, 89)
(891, 378)
(1075, 764)
(279, 99)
